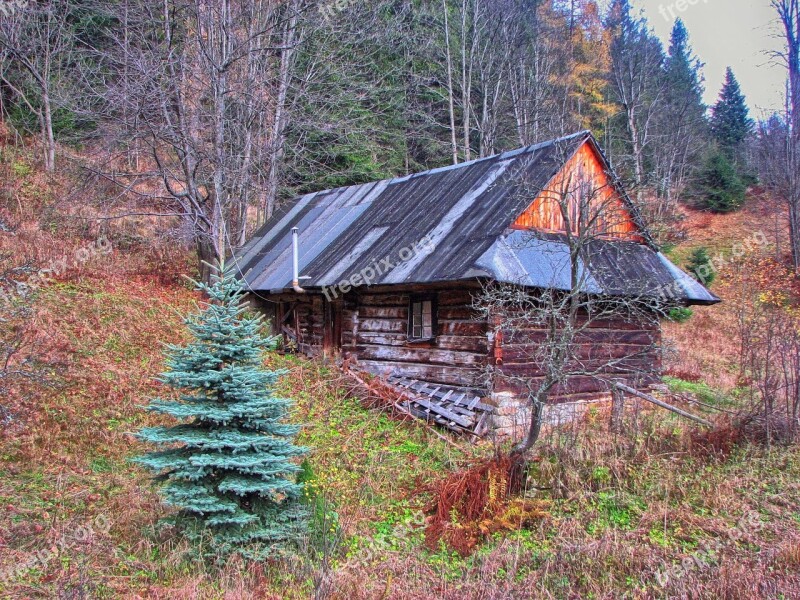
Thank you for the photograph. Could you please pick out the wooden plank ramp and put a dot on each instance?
(456, 409)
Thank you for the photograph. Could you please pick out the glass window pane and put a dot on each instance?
(422, 319)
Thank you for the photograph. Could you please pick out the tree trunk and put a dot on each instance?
(794, 233)
(466, 79)
(534, 428)
(453, 139)
(617, 409)
(637, 156)
(278, 135)
(207, 259)
(47, 133)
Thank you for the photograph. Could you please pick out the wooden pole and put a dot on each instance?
(617, 408)
(678, 411)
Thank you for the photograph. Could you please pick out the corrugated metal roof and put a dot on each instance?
(448, 224)
(611, 268)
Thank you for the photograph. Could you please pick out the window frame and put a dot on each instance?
(421, 299)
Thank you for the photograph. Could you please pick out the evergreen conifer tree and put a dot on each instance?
(230, 466)
(730, 122)
(701, 266)
(719, 188)
(682, 125)
(684, 88)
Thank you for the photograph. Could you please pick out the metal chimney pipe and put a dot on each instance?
(296, 262)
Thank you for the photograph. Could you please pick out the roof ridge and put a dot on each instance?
(500, 155)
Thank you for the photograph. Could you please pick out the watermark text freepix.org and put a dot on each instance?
(55, 268)
(709, 551)
(82, 534)
(329, 9)
(716, 264)
(670, 11)
(369, 274)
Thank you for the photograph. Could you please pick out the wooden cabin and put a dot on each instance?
(385, 274)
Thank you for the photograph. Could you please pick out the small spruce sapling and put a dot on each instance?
(701, 266)
(719, 187)
(230, 467)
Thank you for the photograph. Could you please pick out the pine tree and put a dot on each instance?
(685, 90)
(230, 466)
(701, 266)
(682, 126)
(730, 122)
(719, 187)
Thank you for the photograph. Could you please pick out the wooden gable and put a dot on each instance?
(584, 183)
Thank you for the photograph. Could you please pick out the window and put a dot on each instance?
(422, 319)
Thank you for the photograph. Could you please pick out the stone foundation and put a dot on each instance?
(512, 417)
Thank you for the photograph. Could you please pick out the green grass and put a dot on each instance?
(702, 391)
(363, 457)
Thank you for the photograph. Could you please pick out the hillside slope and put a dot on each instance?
(664, 511)
(706, 348)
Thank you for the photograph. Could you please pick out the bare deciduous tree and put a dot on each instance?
(636, 67)
(768, 332)
(35, 48)
(779, 142)
(204, 93)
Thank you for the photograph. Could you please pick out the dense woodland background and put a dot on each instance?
(220, 111)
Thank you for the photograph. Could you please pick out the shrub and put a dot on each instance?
(680, 314)
(21, 169)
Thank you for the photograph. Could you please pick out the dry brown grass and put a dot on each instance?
(472, 504)
(621, 509)
(706, 347)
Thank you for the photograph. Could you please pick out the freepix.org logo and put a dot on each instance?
(369, 274)
(671, 11)
(329, 9)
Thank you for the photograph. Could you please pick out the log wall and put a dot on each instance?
(374, 334)
(632, 345)
(458, 356)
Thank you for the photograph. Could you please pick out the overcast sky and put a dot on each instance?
(735, 33)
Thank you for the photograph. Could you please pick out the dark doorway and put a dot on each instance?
(287, 325)
(331, 327)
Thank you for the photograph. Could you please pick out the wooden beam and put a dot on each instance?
(449, 415)
(664, 405)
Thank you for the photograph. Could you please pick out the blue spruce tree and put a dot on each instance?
(230, 466)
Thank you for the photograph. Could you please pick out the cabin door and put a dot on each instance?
(331, 327)
(287, 324)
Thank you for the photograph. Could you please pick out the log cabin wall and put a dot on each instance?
(457, 356)
(297, 317)
(374, 336)
(374, 333)
(634, 344)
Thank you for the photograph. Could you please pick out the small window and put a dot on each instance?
(422, 319)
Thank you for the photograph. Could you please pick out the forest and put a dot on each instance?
(144, 143)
